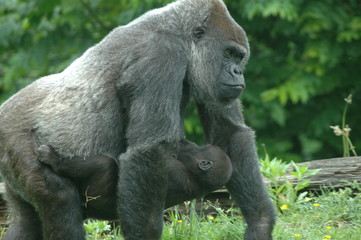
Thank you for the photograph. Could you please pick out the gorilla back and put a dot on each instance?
(125, 97)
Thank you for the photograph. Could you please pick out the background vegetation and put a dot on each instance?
(333, 215)
(306, 58)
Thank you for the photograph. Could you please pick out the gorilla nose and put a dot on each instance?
(237, 77)
(236, 70)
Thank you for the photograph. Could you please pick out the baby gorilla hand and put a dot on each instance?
(47, 155)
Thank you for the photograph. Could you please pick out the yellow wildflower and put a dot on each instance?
(284, 207)
(316, 204)
(210, 217)
(328, 227)
(328, 236)
(180, 221)
(297, 235)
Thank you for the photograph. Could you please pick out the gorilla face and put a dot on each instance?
(219, 54)
(230, 79)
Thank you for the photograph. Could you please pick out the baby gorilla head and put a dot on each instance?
(208, 164)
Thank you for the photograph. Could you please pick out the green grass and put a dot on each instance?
(334, 215)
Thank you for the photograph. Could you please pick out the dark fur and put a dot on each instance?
(195, 172)
(125, 97)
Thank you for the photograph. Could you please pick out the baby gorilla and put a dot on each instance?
(192, 173)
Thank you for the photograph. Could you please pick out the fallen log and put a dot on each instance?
(332, 172)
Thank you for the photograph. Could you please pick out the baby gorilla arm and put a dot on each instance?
(196, 172)
(77, 167)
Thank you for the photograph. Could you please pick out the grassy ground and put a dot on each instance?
(334, 215)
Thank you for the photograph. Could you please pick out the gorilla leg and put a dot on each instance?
(96, 178)
(25, 222)
(60, 209)
(55, 199)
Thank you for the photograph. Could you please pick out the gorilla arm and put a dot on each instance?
(225, 127)
(153, 87)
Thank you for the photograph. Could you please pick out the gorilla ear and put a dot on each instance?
(204, 165)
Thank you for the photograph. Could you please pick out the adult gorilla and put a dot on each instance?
(125, 97)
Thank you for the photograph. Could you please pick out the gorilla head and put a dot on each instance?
(203, 44)
(219, 52)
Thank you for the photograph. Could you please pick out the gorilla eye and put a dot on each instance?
(228, 53)
(199, 32)
(234, 52)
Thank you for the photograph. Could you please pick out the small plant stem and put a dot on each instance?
(352, 148)
(346, 151)
(345, 143)
(264, 149)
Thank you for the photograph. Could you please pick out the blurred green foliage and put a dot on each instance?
(306, 58)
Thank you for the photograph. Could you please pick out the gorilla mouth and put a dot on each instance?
(236, 86)
(232, 91)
